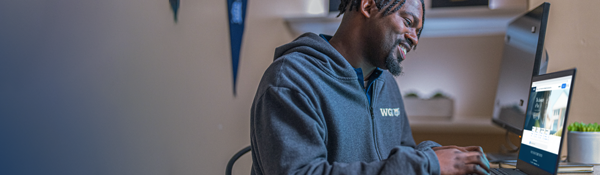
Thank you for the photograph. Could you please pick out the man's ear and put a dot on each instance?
(367, 7)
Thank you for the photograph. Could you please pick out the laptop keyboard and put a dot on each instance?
(505, 171)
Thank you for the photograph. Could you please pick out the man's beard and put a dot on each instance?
(393, 63)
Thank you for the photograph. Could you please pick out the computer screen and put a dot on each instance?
(545, 120)
(523, 56)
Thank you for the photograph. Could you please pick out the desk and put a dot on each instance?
(468, 132)
(596, 170)
(462, 132)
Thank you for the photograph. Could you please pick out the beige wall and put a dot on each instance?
(465, 68)
(116, 87)
(573, 40)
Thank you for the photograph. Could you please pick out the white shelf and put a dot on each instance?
(316, 24)
(438, 22)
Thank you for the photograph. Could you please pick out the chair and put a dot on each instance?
(235, 158)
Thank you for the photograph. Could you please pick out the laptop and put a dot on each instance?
(545, 124)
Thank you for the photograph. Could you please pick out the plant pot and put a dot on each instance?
(583, 147)
(439, 108)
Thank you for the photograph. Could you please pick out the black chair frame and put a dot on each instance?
(235, 158)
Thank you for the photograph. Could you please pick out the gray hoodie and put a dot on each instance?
(311, 116)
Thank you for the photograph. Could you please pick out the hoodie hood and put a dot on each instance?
(316, 47)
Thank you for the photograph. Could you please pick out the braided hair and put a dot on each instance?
(355, 4)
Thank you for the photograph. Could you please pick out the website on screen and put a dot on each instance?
(544, 123)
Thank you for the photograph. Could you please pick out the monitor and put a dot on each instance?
(522, 58)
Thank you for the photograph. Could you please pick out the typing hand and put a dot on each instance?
(462, 160)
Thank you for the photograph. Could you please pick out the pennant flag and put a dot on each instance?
(237, 16)
(174, 7)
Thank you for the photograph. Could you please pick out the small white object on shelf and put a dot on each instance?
(438, 108)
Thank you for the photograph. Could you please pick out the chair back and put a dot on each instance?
(235, 158)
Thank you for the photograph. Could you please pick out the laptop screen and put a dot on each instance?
(545, 121)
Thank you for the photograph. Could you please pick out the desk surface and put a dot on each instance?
(596, 170)
(457, 125)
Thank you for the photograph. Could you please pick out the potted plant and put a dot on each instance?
(583, 143)
(439, 106)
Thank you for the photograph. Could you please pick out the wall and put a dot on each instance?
(572, 40)
(465, 68)
(116, 87)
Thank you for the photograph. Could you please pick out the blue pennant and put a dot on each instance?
(237, 16)
(174, 7)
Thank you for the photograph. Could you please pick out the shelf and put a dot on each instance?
(316, 24)
(438, 22)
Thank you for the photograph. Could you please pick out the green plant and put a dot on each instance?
(582, 127)
(412, 95)
(438, 95)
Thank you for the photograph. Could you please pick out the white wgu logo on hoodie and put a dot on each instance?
(390, 112)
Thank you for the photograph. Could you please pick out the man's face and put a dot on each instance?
(390, 37)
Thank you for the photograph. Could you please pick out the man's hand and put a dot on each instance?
(462, 160)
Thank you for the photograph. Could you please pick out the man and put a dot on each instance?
(326, 105)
